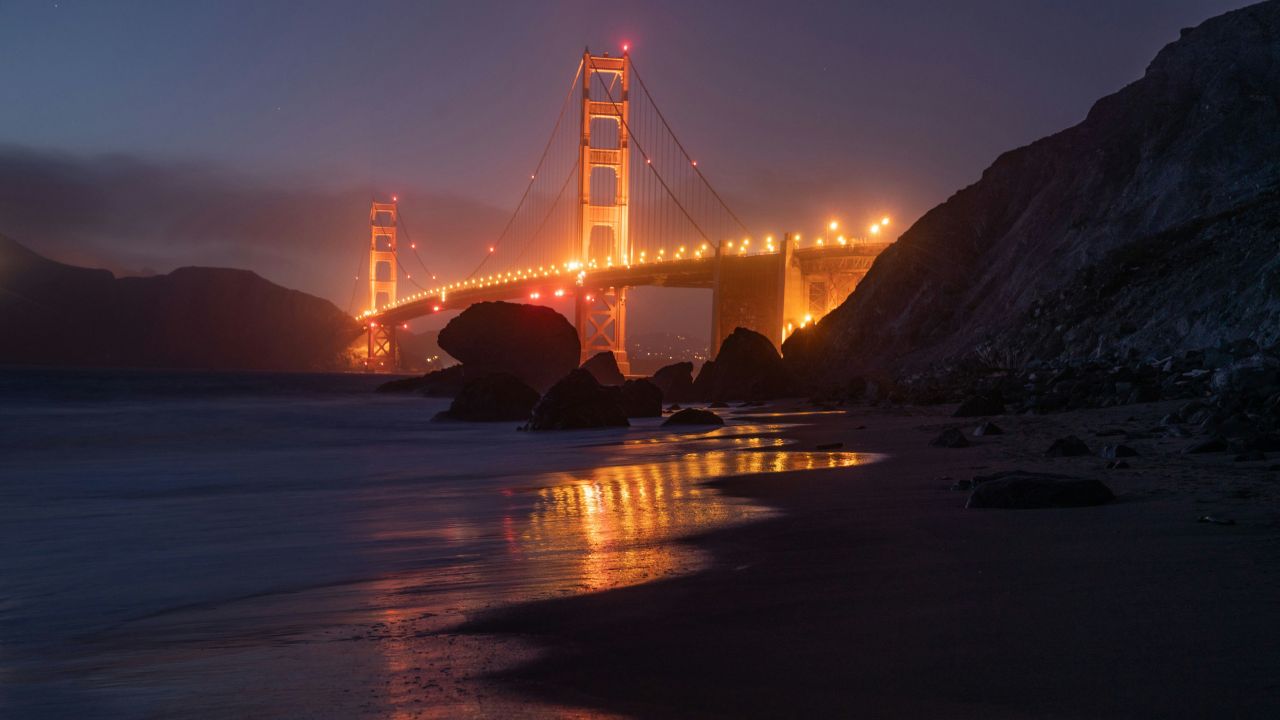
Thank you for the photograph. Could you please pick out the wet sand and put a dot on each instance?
(875, 593)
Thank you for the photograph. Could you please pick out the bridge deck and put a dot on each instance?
(549, 284)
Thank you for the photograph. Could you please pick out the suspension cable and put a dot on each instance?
(564, 106)
(657, 174)
(412, 245)
(658, 111)
(356, 287)
(563, 186)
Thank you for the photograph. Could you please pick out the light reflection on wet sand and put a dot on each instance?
(382, 648)
(619, 521)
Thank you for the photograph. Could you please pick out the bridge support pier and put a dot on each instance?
(778, 293)
(601, 319)
(383, 352)
(752, 293)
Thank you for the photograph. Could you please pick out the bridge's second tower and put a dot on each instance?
(603, 200)
(382, 282)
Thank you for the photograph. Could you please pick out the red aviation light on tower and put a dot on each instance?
(626, 47)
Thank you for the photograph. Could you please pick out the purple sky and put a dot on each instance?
(251, 134)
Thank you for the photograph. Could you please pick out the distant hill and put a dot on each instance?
(1151, 227)
(193, 317)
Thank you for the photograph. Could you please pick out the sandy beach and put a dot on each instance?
(875, 593)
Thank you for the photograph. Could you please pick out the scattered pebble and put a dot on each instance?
(988, 428)
(1069, 446)
(1215, 520)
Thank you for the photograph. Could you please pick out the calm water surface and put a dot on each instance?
(241, 545)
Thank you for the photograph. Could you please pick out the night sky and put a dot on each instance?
(145, 136)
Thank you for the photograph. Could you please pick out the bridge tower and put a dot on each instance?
(601, 312)
(383, 271)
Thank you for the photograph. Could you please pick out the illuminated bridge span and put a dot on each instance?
(616, 202)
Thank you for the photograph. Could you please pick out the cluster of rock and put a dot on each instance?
(519, 362)
(1231, 393)
(1041, 388)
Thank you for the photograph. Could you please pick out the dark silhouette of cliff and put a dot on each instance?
(1151, 227)
(193, 317)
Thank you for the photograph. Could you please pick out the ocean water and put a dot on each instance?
(178, 544)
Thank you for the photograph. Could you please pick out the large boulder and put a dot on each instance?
(748, 367)
(603, 366)
(1017, 489)
(495, 397)
(439, 383)
(577, 402)
(675, 381)
(534, 343)
(641, 398)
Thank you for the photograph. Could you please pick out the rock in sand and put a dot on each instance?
(603, 366)
(675, 381)
(495, 397)
(641, 398)
(748, 367)
(1018, 490)
(951, 438)
(1069, 446)
(578, 402)
(693, 416)
(988, 428)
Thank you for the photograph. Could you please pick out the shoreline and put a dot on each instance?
(874, 591)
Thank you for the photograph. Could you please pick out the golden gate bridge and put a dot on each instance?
(616, 201)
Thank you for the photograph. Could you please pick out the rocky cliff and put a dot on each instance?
(55, 314)
(1151, 227)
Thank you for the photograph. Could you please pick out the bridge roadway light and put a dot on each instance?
(875, 229)
(833, 225)
(884, 220)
